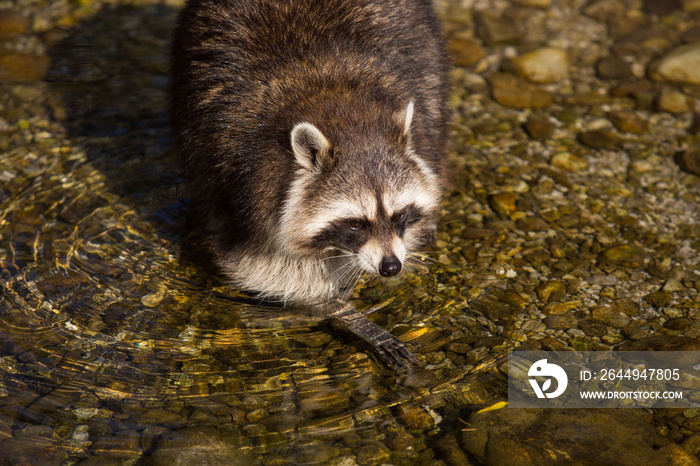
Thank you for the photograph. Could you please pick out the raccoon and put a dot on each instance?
(313, 134)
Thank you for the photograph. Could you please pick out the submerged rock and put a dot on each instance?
(680, 65)
(545, 65)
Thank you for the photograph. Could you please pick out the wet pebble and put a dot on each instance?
(625, 255)
(632, 88)
(609, 316)
(613, 67)
(465, 52)
(678, 324)
(315, 453)
(12, 23)
(545, 65)
(22, 67)
(199, 445)
(514, 92)
(123, 444)
(681, 65)
(531, 223)
(626, 305)
(600, 139)
(673, 101)
(628, 122)
(658, 299)
(689, 160)
(495, 437)
(692, 444)
(569, 162)
(415, 417)
(543, 4)
(503, 203)
(493, 27)
(662, 343)
(603, 280)
(561, 321)
(539, 128)
(372, 453)
(552, 290)
(153, 299)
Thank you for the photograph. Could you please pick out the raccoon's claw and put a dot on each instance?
(392, 350)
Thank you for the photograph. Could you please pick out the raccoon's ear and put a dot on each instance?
(310, 146)
(405, 117)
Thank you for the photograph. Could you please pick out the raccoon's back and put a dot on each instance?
(244, 72)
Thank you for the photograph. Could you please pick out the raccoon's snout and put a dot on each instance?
(389, 266)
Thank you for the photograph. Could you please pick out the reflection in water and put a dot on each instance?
(114, 334)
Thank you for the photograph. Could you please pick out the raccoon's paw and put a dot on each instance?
(394, 352)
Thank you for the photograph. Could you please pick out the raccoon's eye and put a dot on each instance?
(356, 224)
(398, 217)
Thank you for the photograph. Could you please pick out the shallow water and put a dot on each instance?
(115, 333)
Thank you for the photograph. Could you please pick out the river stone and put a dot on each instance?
(123, 444)
(662, 343)
(678, 323)
(661, 7)
(692, 444)
(542, 4)
(673, 101)
(612, 67)
(691, 6)
(511, 91)
(600, 139)
(561, 321)
(561, 308)
(545, 65)
(415, 417)
(12, 24)
(503, 203)
(539, 128)
(465, 52)
(569, 162)
(551, 291)
(627, 306)
(22, 67)
(658, 299)
(30, 451)
(372, 453)
(532, 223)
(694, 127)
(632, 88)
(609, 316)
(200, 446)
(628, 122)
(626, 255)
(681, 65)
(493, 28)
(564, 436)
(689, 160)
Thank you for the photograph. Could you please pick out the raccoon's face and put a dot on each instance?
(370, 208)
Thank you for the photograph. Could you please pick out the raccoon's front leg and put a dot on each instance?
(393, 351)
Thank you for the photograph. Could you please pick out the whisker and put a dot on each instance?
(357, 277)
(427, 253)
(337, 257)
(351, 273)
(347, 273)
(346, 265)
(419, 257)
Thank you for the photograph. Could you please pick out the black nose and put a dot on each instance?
(389, 266)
